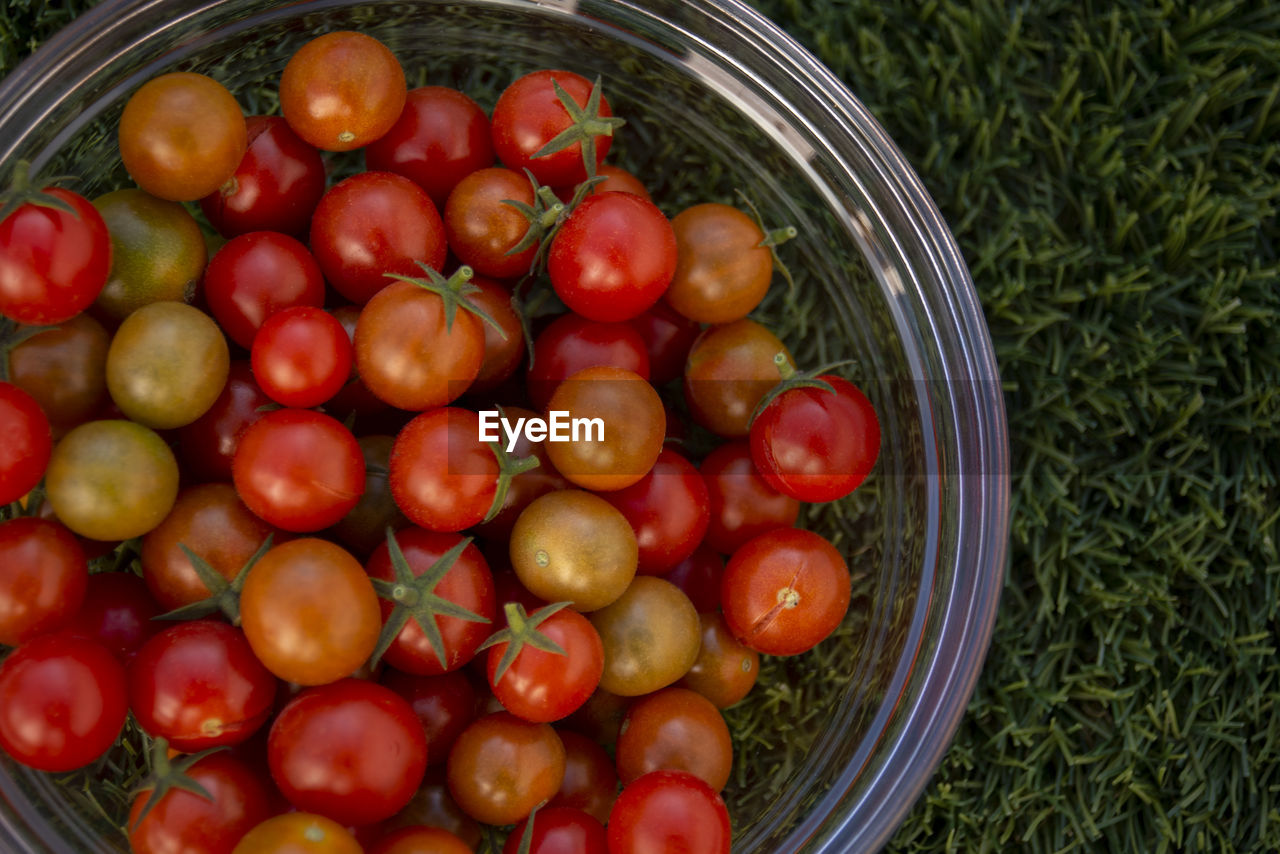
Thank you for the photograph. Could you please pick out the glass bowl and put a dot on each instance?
(718, 100)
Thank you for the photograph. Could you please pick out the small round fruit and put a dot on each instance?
(651, 637)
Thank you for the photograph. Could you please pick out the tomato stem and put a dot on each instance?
(25, 189)
(793, 379)
(454, 291)
(587, 125)
(521, 631)
(168, 774)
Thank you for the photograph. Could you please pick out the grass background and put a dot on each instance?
(1111, 172)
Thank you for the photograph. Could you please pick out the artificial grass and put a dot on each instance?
(1111, 172)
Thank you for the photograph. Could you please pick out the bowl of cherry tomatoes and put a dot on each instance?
(477, 426)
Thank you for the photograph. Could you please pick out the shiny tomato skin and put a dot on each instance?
(298, 833)
(182, 135)
(725, 670)
(254, 275)
(698, 576)
(442, 476)
(723, 271)
(342, 90)
(501, 767)
(62, 701)
(544, 686)
(301, 356)
(43, 578)
(590, 780)
(528, 115)
(669, 811)
(310, 612)
(207, 446)
(371, 224)
(118, 612)
(53, 263)
(638, 660)
(729, 369)
(442, 136)
(26, 442)
(785, 591)
(483, 228)
(742, 503)
(559, 830)
(276, 187)
(667, 338)
(198, 684)
(445, 704)
(613, 258)
(814, 445)
(675, 729)
(571, 343)
(298, 469)
(351, 750)
(64, 369)
(184, 821)
(669, 511)
(409, 356)
(468, 583)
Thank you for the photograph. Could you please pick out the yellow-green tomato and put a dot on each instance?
(167, 364)
(574, 546)
(111, 480)
(651, 637)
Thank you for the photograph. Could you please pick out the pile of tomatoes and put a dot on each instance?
(347, 599)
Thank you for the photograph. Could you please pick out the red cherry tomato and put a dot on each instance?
(445, 704)
(543, 686)
(814, 445)
(276, 187)
(352, 751)
(208, 445)
(613, 257)
(298, 469)
(442, 476)
(118, 612)
(668, 509)
(785, 591)
(590, 782)
(675, 729)
(62, 701)
(53, 263)
(255, 275)
(43, 578)
(26, 443)
(301, 356)
(698, 576)
(669, 811)
(743, 505)
(502, 767)
(483, 228)
(667, 337)
(571, 343)
(529, 114)
(559, 830)
(371, 224)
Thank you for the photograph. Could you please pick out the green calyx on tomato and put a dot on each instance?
(169, 774)
(792, 379)
(509, 467)
(415, 596)
(24, 190)
(453, 291)
(587, 125)
(224, 596)
(522, 630)
(11, 335)
(773, 238)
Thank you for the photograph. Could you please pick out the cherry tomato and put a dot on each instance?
(111, 480)
(730, 368)
(637, 659)
(26, 443)
(698, 576)
(667, 338)
(184, 821)
(559, 830)
(298, 469)
(118, 612)
(442, 476)
(543, 686)
(64, 369)
(43, 578)
(529, 114)
(301, 356)
(501, 767)
(669, 811)
(255, 275)
(814, 445)
(613, 257)
(524, 487)
(785, 591)
(310, 612)
(351, 750)
(441, 137)
(364, 528)
(208, 445)
(483, 228)
(669, 511)
(342, 90)
(590, 782)
(371, 224)
(743, 505)
(675, 729)
(468, 583)
(276, 187)
(574, 546)
(421, 839)
(435, 807)
(62, 701)
(445, 704)
(615, 179)
(601, 718)
(182, 135)
(503, 346)
(53, 262)
(723, 268)
(298, 833)
(157, 252)
(167, 364)
(725, 670)
(632, 425)
(408, 355)
(198, 684)
(571, 343)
